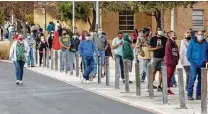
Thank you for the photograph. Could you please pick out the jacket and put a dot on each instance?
(13, 54)
(171, 53)
(183, 51)
(142, 47)
(100, 42)
(127, 50)
(197, 52)
(56, 44)
(50, 28)
(87, 48)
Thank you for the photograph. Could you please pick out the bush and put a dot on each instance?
(4, 51)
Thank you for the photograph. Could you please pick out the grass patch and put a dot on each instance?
(4, 51)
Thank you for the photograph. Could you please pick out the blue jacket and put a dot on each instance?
(50, 28)
(197, 53)
(87, 48)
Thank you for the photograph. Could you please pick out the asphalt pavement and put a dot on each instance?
(43, 95)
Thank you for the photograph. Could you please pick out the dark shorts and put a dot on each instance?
(157, 63)
(134, 41)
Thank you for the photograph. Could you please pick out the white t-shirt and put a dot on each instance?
(56, 26)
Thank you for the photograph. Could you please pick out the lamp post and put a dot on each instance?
(97, 15)
(73, 19)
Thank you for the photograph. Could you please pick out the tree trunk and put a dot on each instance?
(157, 16)
(93, 20)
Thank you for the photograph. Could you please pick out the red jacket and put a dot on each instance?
(56, 44)
(171, 53)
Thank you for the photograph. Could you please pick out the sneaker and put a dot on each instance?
(130, 82)
(190, 98)
(20, 82)
(33, 66)
(87, 82)
(198, 97)
(170, 92)
(17, 82)
(154, 87)
(159, 89)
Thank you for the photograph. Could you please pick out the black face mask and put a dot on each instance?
(64, 34)
(188, 38)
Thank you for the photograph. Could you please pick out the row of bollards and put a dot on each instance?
(54, 61)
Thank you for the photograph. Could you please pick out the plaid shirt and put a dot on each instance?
(141, 42)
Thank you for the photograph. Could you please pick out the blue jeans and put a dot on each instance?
(19, 66)
(194, 71)
(63, 63)
(173, 81)
(119, 60)
(102, 55)
(143, 65)
(30, 60)
(89, 62)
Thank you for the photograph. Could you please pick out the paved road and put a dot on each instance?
(43, 95)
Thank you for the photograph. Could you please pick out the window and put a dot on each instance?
(126, 21)
(197, 20)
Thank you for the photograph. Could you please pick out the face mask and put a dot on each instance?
(87, 38)
(64, 34)
(160, 33)
(42, 39)
(28, 36)
(20, 41)
(200, 37)
(100, 32)
(188, 38)
(52, 35)
(91, 34)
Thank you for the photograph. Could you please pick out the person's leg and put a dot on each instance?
(22, 63)
(145, 66)
(69, 52)
(187, 71)
(31, 57)
(192, 78)
(62, 60)
(170, 72)
(160, 64)
(102, 55)
(95, 57)
(91, 65)
(198, 88)
(17, 71)
(121, 67)
(117, 64)
(141, 69)
(87, 70)
(40, 59)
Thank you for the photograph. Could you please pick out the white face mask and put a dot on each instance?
(200, 37)
(28, 36)
(52, 34)
(87, 38)
(160, 33)
(42, 39)
(100, 32)
(91, 34)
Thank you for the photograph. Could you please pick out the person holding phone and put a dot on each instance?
(118, 54)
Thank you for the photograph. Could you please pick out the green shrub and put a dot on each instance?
(4, 51)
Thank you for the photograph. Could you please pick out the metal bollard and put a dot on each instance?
(77, 65)
(138, 81)
(56, 60)
(60, 61)
(204, 90)
(66, 62)
(99, 69)
(181, 88)
(164, 85)
(150, 82)
(52, 59)
(36, 55)
(126, 75)
(117, 73)
(107, 71)
(47, 57)
(44, 57)
(71, 62)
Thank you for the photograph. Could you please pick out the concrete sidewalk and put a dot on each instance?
(142, 101)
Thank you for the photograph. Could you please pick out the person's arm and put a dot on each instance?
(80, 49)
(114, 45)
(189, 52)
(106, 44)
(62, 45)
(168, 51)
(12, 50)
(94, 48)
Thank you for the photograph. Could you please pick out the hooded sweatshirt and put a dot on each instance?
(87, 48)
(183, 51)
(197, 52)
(171, 53)
(56, 44)
(127, 50)
(100, 42)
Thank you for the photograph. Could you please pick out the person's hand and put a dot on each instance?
(121, 43)
(159, 47)
(98, 55)
(67, 48)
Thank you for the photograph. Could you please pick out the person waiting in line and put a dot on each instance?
(86, 51)
(197, 56)
(171, 58)
(42, 45)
